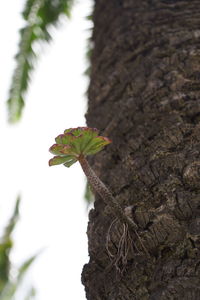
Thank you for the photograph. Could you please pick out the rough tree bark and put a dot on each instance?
(145, 95)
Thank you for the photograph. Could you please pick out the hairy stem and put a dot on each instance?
(104, 192)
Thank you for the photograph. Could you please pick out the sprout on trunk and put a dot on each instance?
(76, 143)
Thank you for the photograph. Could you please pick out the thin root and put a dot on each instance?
(125, 246)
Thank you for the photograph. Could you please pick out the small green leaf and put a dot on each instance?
(25, 266)
(11, 225)
(57, 160)
(82, 130)
(70, 162)
(96, 145)
(59, 149)
(64, 139)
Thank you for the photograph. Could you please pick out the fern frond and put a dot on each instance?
(38, 16)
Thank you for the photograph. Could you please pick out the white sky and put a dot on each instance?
(53, 211)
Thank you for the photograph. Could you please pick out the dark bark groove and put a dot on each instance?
(145, 95)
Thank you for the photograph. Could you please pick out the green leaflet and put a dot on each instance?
(58, 160)
(96, 145)
(65, 139)
(87, 131)
(59, 149)
(70, 162)
(74, 143)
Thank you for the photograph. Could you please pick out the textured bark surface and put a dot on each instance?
(145, 96)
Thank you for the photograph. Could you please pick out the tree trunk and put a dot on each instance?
(145, 96)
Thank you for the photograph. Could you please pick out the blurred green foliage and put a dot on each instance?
(89, 195)
(10, 283)
(38, 15)
(90, 47)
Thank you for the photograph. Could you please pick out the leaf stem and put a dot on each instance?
(104, 192)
